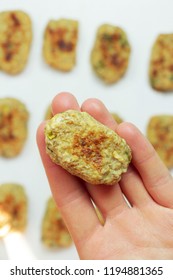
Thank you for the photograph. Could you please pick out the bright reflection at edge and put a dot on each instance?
(17, 247)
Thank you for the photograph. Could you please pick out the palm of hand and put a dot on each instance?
(133, 234)
(142, 231)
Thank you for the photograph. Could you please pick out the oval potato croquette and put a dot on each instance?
(13, 126)
(15, 41)
(110, 54)
(86, 148)
(13, 203)
(161, 63)
(60, 40)
(160, 134)
(54, 230)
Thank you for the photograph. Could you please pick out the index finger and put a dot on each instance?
(70, 194)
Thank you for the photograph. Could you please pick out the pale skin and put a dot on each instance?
(141, 230)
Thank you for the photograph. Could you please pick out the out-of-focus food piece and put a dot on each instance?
(5, 223)
(110, 54)
(161, 63)
(99, 215)
(160, 134)
(15, 41)
(54, 230)
(13, 207)
(13, 126)
(117, 118)
(60, 41)
(86, 148)
(48, 114)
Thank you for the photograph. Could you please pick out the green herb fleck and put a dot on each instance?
(124, 42)
(171, 78)
(51, 135)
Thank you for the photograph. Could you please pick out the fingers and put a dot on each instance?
(153, 172)
(71, 196)
(64, 101)
(97, 110)
(109, 199)
(134, 190)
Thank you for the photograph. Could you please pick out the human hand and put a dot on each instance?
(141, 230)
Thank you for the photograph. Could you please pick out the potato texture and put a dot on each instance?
(86, 148)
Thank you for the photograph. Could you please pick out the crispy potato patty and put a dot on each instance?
(60, 40)
(13, 126)
(161, 63)
(160, 134)
(54, 230)
(110, 54)
(86, 148)
(13, 202)
(15, 41)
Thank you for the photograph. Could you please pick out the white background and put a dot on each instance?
(132, 97)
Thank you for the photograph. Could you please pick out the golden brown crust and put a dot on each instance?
(13, 202)
(89, 147)
(86, 148)
(54, 230)
(161, 63)
(13, 126)
(60, 40)
(15, 41)
(160, 134)
(110, 54)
